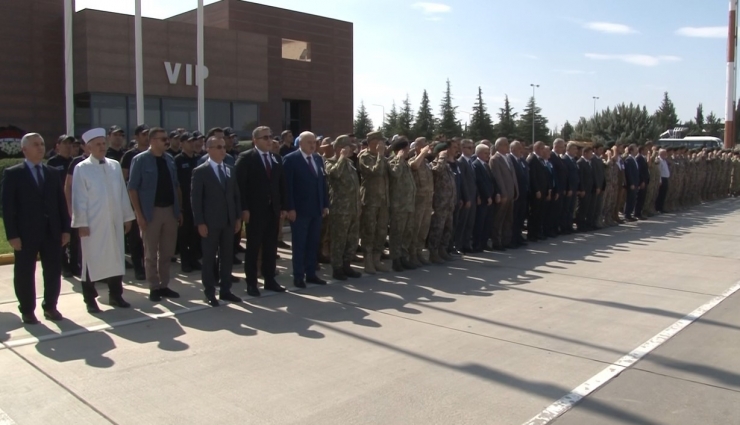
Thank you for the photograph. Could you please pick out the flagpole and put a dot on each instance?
(731, 77)
(200, 70)
(69, 67)
(139, 65)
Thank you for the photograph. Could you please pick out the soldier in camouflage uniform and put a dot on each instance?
(444, 199)
(344, 220)
(611, 174)
(374, 194)
(735, 179)
(424, 181)
(652, 187)
(402, 200)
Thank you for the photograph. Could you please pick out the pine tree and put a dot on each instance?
(713, 126)
(424, 125)
(699, 119)
(363, 124)
(524, 125)
(406, 119)
(390, 127)
(665, 116)
(567, 132)
(448, 123)
(481, 125)
(506, 126)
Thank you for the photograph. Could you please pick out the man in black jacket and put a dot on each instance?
(488, 194)
(644, 172)
(539, 193)
(521, 205)
(586, 190)
(597, 165)
(631, 182)
(570, 159)
(37, 223)
(554, 217)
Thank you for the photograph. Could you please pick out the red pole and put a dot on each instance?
(731, 77)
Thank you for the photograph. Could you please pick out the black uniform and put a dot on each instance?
(187, 236)
(133, 237)
(115, 154)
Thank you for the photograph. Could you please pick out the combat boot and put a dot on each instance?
(339, 274)
(445, 255)
(379, 266)
(435, 258)
(406, 264)
(397, 267)
(369, 264)
(421, 259)
(349, 271)
(414, 259)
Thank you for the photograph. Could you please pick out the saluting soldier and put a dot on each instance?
(421, 169)
(402, 202)
(374, 195)
(443, 204)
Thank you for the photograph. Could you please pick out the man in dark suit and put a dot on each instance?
(560, 174)
(570, 159)
(488, 194)
(586, 189)
(521, 204)
(597, 165)
(539, 192)
(631, 182)
(216, 205)
(259, 174)
(464, 227)
(37, 223)
(644, 172)
(307, 202)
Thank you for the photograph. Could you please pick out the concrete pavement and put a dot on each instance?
(491, 339)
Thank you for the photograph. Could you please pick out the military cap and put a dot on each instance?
(399, 144)
(375, 135)
(440, 147)
(341, 142)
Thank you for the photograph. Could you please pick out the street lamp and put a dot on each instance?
(595, 99)
(383, 108)
(470, 116)
(534, 87)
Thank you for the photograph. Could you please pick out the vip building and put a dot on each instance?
(263, 65)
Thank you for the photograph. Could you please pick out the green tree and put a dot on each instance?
(406, 119)
(363, 124)
(623, 123)
(713, 125)
(390, 127)
(699, 119)
(448, 123)
(666, 114)
(506, 126)
(531, 113)
(424, 124)
(567, 131)
(481, 124)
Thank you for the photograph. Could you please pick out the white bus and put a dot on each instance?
(692, 142)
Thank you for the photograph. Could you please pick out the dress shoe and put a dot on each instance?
(350, 272)
(324, 259)
(315, 280)
(272, 285)
(236, 261)
(397, 267)
(118, 302)
(155, 296)
(173, 259)
(196, 265)
(140, 276)
(92, 307)
(67, 274)
(186, 268)
(338, 274)
(252, 291)
(212, 301)
(241, 250)
(283, 245)
(455, 252)
(230, 298)
(299, 283)
(234, 279)
(168, 293)
(29, 319)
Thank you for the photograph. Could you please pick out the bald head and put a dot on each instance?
(307, 142)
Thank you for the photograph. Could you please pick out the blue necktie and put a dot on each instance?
(39, 176)
(222, 175)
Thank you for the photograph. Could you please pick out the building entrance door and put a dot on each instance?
(297, 116)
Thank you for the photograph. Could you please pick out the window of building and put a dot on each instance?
(296, 50)
(217, 114)
(246, 118)
(178, 113)
(82, 113)
(107, 110)
(152, 113)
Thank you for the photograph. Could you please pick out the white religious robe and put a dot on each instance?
(100, 201)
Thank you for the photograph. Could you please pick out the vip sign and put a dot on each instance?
(173, 73)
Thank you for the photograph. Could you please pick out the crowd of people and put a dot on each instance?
(347, 200)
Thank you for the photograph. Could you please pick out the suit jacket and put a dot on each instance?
(631, 173)
(307, 192)
(574, 177)
(560, 171)
(505, 176)
(485, 185)
(586, 175)
(213, 205)
(261, 194)
(539, 176)
(521, 168)
(469, 187)
(26, 206)
(643, 170)
(597, 165)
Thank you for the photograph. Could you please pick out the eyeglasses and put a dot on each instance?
(218, 147)
(267, 136)
(160, 138)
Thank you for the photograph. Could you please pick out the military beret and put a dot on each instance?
(341, 142)
(375, 135)
(399, 144)
(440, 147)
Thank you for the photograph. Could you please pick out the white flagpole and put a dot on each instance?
(200, 71)
(69, 67)
(139, 65)
(731, 77)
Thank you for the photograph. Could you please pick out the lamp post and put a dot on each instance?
(200, 70)
(383, 108)
(470, 117)
(534, 87)
(595, 99)
(139, 64)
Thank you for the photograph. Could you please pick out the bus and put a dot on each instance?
(692, 142)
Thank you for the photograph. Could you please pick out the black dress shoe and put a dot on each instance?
(67, 274)
(230, 298)
(29, 319)
(186, 268)
(315, 280)
(212, 301)
(283, 245)
(92, 307)
(236, 261)
(234, 279)
(155, 296)
(118, 302)
(168, 293)
(252, 291)
(53, 315)
(299, 283)
(272, 285)
(140, 276)
(196, 265)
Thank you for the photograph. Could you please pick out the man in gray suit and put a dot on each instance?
(505, 177)
(216, 205)
(464, 229)
(597, 165)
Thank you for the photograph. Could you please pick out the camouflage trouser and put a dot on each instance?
(344, 232)
(440, 229)
(619, 206)
(374, 229)
(325, 245)
(420, 223)
(400, 235)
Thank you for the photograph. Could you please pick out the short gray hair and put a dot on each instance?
(514, 144)
(500, 142)
(27, 139)
(258, 130)
(467, 142)
(558, 141)
(482, 148)
(571, 145)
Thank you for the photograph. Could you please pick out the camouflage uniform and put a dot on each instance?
(402, 202)
(374, 195)
(443, 204)
(424, 182)
(611, 192)
(735, 180)
(652, 188)
(344, 192)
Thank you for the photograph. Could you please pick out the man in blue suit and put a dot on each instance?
(307, 204)
(570, 159)
(631, 182)
(488, 194)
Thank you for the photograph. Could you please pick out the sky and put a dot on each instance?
(575, 50)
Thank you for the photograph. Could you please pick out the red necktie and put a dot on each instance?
(268, 166)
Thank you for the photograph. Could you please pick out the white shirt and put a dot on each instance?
(215, 168)
(665, 172)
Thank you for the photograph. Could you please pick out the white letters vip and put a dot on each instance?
(173, 73)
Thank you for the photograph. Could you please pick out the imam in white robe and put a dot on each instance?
(100, 201)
